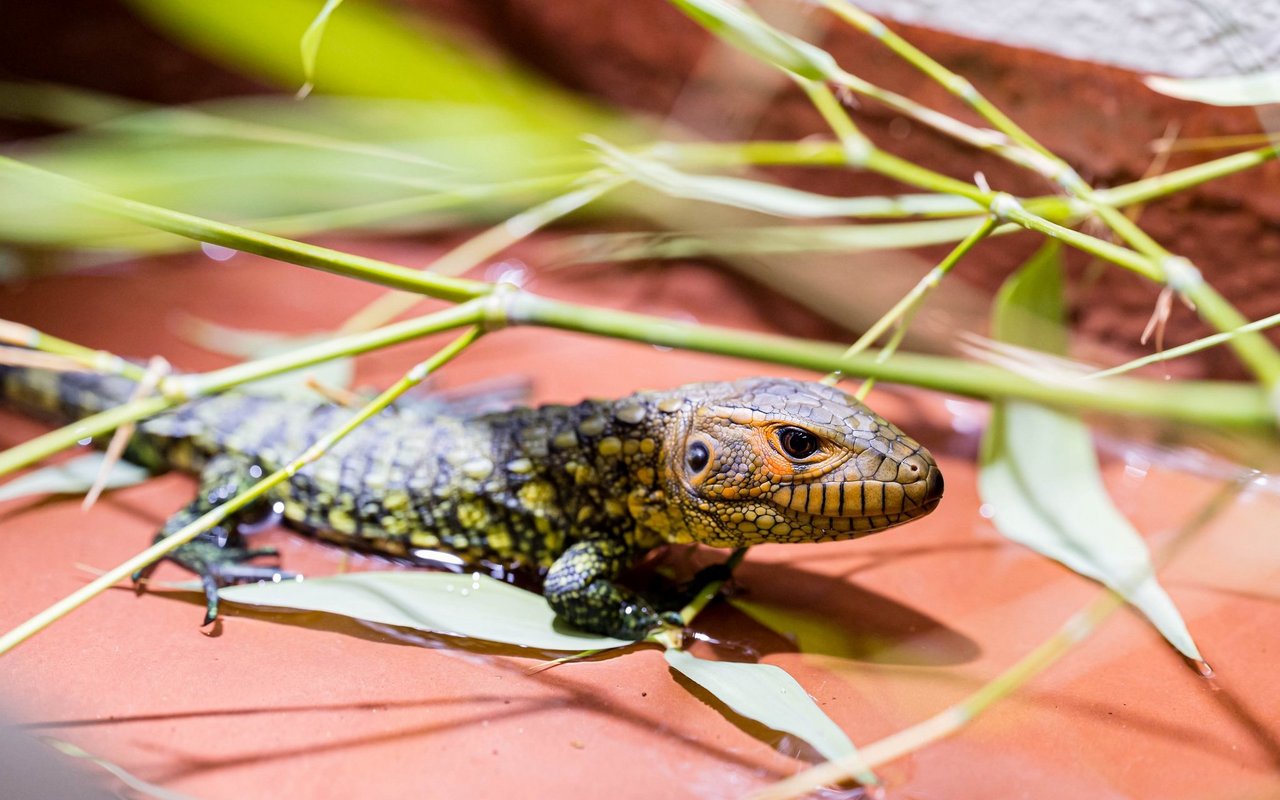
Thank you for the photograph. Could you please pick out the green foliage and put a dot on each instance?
(768, 695)
(73, 477)
(1039, 473)
(474, 606)
(1260, 88)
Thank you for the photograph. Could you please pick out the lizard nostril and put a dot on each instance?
(934, 486)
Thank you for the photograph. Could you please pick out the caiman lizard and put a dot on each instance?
(578, 493)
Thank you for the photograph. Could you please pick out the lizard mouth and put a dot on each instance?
(861, 504)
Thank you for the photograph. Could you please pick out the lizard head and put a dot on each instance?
(775, 460)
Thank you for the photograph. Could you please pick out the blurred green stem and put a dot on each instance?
(160, 549)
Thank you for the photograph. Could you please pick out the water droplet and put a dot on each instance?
(255, 472)
(465, 592)
(277, 507)
(299, 578)
(987, 511)
(448, 588)
(217, 252)
(276, 578)
(1203, 668)
(88, 440)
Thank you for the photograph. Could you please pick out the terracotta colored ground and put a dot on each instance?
(882, 632)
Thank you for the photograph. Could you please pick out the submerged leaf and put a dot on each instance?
(768, 695)
(1040, 475)
(73, 477)
(474, 606)
(1227, 90)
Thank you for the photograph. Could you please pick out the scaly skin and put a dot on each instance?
(580, 492)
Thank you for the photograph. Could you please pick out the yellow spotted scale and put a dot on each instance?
(575, 493)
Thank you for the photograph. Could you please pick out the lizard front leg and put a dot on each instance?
(580, 588)
(218, 555)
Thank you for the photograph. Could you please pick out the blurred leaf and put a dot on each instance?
(1039, 472)
(427, 132)
(369, 51)
(311, 43)
(768, 695)
(474, 606)
(337, 373)
(743, 29)
(769, 198)
(1228, 90)
(765, 239)
(75, 476)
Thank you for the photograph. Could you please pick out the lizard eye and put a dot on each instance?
(698, 456)
(797, 442)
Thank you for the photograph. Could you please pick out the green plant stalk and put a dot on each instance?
(957, 85)
(1011, 144)
(852, 140)
(1075, 630)
(861, 153)
(1186, 349)
(95, 360)
(832, 154)
(1153, 188)
(905, 309)
(160, 549)
(355, 217)
(1254, 349)
(1209, 403)
(233, 236)
(1121, 256)
(177, 390)
(708, 593)
(485, 245)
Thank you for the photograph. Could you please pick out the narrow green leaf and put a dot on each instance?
(782, 201)
(370, 50)
(1039, 473)
(766, 239)
(1228, 90)
(474, 606)
(336, 373)
(311, 43)
(746, 31)
(73, 477)
(768, 695)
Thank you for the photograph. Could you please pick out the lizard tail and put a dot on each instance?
(61, 397)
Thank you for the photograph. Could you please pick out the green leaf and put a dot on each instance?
(768, 695)
(1039, 473)
(75, 476)
(1227, 90)
(782, 201)
(597, 247)
(748, 32)
(336, 373)
(311, 43)
(474, 606)
(370, 51)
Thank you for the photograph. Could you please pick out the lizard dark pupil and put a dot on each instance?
(797, 442)
(699, 455)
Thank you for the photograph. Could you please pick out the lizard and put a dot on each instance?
(578, 493)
